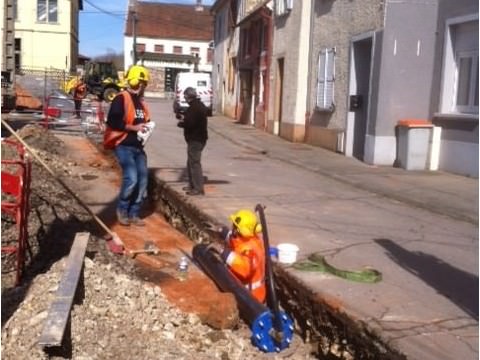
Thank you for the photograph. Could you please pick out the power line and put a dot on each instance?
(111, 13)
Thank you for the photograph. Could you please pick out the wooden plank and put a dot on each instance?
(59, 313)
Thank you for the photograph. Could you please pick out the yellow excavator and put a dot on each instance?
(101, 78)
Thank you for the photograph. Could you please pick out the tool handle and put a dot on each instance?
(32, 152)
(272, 300)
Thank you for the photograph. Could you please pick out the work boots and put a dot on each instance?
(122, 218)
(137, 221)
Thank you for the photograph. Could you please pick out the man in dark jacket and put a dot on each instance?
(195, 131)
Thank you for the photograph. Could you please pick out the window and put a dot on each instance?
(15, 10)
(195, 51)
(326, 79)
(18, 52)
(467, 81)
(140, 48)
(232, 71)
(264, 38)
(47, 11)
(177, 50)
(460, 72)
(158, 48)
(246, 43)
(18, 44)
(209, 56)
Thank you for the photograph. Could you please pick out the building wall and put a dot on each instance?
(459, 132)
(407, 77)
(230, 77)
(411, 84)
(168, 45)
(220, 62)
(291, 42)
(406, 72)
(232, 91)
(48, 45)
(335, 23)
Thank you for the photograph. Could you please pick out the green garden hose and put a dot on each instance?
(317, 262)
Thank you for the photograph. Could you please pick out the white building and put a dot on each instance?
(169, 38)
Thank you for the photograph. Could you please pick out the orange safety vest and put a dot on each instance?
(247, 262)
(80, 91)
(112, 137)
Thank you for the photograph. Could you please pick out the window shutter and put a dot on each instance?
(279, 7)
(326, 79)
(283, 7)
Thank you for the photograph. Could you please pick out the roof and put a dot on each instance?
(171, 21)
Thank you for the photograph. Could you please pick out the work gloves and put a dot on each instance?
(225, 234)
(144, 135)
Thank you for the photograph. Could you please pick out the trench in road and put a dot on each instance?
(175, 226)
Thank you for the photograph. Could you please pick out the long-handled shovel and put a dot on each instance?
(112, 235)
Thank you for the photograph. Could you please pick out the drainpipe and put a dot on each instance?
(266, 100)
(309, 88)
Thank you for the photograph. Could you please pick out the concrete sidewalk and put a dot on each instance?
(436, 191)
(419, 229)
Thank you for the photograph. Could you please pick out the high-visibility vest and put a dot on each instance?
(80, 91)
(112, 137)
(246, 261)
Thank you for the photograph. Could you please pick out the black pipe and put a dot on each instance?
(209, 260)
(272, 301)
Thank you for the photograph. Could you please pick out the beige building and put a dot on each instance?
(46, 33)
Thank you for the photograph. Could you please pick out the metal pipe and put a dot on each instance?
(257, 315)
(249, 308)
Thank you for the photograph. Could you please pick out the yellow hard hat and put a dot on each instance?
(137, 73)
(246, 222)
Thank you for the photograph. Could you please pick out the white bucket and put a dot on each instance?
(287, 253)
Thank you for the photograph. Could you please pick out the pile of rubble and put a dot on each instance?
(120, 318)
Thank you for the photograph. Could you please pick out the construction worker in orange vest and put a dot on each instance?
(79, 93)
(244, 252)
(128, 118)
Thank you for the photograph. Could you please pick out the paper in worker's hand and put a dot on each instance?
(145, 134)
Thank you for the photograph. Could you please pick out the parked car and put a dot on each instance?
(201, 82)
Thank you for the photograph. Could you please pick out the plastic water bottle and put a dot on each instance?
(182, 268)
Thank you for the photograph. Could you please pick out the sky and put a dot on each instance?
(102, 24)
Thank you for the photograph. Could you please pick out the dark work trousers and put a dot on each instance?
(78, 107)
(194, 164)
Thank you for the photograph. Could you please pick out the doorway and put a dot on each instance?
(245, 100)
(277, 112)
(359, 95)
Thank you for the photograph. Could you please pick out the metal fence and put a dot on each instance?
(41, 82)
(60, 114)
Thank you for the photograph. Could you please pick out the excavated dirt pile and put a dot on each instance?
(121, 316)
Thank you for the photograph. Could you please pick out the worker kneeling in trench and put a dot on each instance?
(246, 277)
(244, 252)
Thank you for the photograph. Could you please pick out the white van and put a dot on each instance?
(201, 82)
